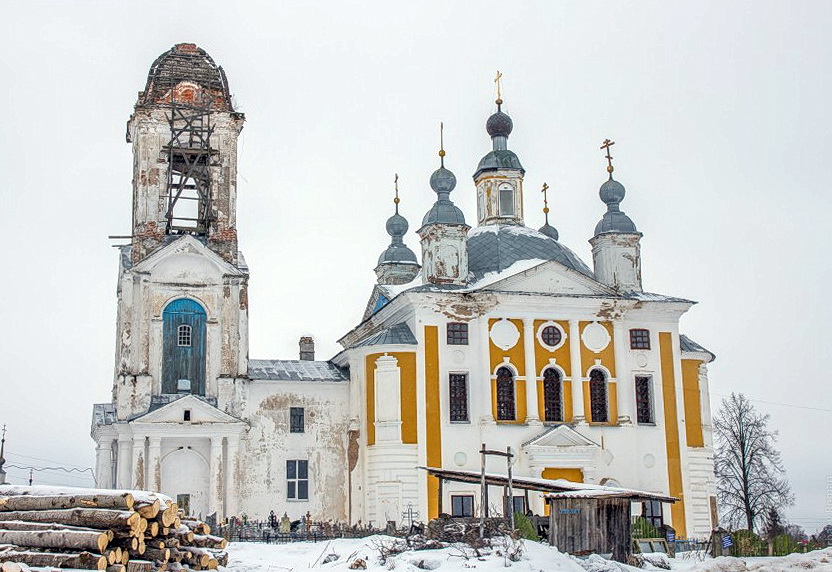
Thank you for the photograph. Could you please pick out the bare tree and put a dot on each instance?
(750, 475)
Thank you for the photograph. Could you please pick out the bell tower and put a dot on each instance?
(184, 134)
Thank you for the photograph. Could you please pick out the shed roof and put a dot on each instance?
(295, 370)
(548, 485)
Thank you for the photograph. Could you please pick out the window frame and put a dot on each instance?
(649, 514)
(558, 327)
(294, 479)
(559, 384)
(648, 379)
(639, 339)
(465, 390)
(295, 414)
(456, 333)
(462, 511)
(502, 405)
(593, 397)
(508, 189)
(184, 336)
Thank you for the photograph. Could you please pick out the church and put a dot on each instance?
(495, 333)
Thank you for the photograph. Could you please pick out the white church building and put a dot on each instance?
(496, 334)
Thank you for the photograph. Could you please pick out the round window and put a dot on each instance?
(551, 336)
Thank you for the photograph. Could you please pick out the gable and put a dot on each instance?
(174, 412)
(186, 260)
(560, 436)
(550, 277)
(378, 299)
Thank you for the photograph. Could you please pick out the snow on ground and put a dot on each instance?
(339, 555)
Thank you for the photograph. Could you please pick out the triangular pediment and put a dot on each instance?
(201, 412)
(560, 436)
(550, 277)
(188, 260)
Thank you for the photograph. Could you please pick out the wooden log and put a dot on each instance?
(208, 541)
(111, 557)
(197, 526)
(198, 555)
(116, 568)
(119, 501)
(89, 517)
(83, 560)
(213, 564)
(152, 528)
(126, 542)
(140, 566)
(74, 540)
(23, 525)
(125, 557)
(171, 542)
(157, 554)
(184, 535)
(149, 510)
(10, 567)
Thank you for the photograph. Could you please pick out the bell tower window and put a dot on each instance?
(506, 200)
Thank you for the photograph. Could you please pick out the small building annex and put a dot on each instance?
(496, 333)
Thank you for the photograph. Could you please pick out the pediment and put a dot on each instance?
(174, 412)
(551, 277)
(186, 260)
(560, 436)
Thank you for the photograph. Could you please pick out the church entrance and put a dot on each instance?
(185, 478)
(183, 335)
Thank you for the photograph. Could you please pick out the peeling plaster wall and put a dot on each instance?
(269, 444)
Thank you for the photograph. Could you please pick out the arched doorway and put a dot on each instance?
(183, 342)
(185, 479)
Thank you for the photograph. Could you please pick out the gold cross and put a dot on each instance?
(396, 185)
(497, 81)
(442, 142)
(606, 145)
(545, 198)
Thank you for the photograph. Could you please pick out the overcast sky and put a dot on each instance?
(720, 112)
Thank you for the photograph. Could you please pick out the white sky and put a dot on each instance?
(720, 112)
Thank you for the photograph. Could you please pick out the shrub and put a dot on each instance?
(525, 527)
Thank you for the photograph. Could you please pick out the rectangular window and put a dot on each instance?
(457, 334)
(296, 420)
(458, 389)
(639, 339)
(644, 399)
(462, 505)
(183, 336)
(519, 504)
(507, 202)
(297, 480)
(652, 512)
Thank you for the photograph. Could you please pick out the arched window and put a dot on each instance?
(552, 395)
(505, 395)
(506, 200)
(183, 336)
(598, 396)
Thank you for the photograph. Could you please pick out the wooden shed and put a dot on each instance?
(595, 521)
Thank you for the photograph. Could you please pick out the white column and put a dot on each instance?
(103, 464)
(124, 464)
(231, 485)
(578, 414)
(486, 415)
(154, 464)
(626, 397)
(215, 469)
(532, 412)
(139, 466)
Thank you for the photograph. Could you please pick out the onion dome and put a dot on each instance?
(499, 127)
(397, 226)
(443, 211)
(614, 220)
(499, 124)
(187, 74)
(549, 231)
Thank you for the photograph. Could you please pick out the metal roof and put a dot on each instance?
(688, 345)
(398, 334)
(295, 370)
(493, 248)
(545, 485)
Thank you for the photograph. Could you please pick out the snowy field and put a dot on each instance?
(344, 555)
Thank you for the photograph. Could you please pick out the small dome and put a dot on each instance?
(615, 221)
(499, 159)
(397, 225)
(612, 191)
(397, 253)
(549, 231)
(443, 212)
(499, 124)
(184, 64)
(442, 180)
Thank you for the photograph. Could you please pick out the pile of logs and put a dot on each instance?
(44, 528)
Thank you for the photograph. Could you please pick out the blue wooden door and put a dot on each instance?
(183, 340)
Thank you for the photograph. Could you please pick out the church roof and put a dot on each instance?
(295, 370)
(398, 334)
(493, 248)
(186, 63)
(688, 345)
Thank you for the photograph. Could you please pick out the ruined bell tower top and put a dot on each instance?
(186, 74)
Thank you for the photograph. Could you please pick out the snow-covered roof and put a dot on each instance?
(398, 334)
(295, 370)
(688, 345)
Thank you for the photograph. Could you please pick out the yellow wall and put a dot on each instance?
(433, 416)
(574, 475)
(517, 358)
(671, 428)
(563, 359)
(407, 367)
(693, 402)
